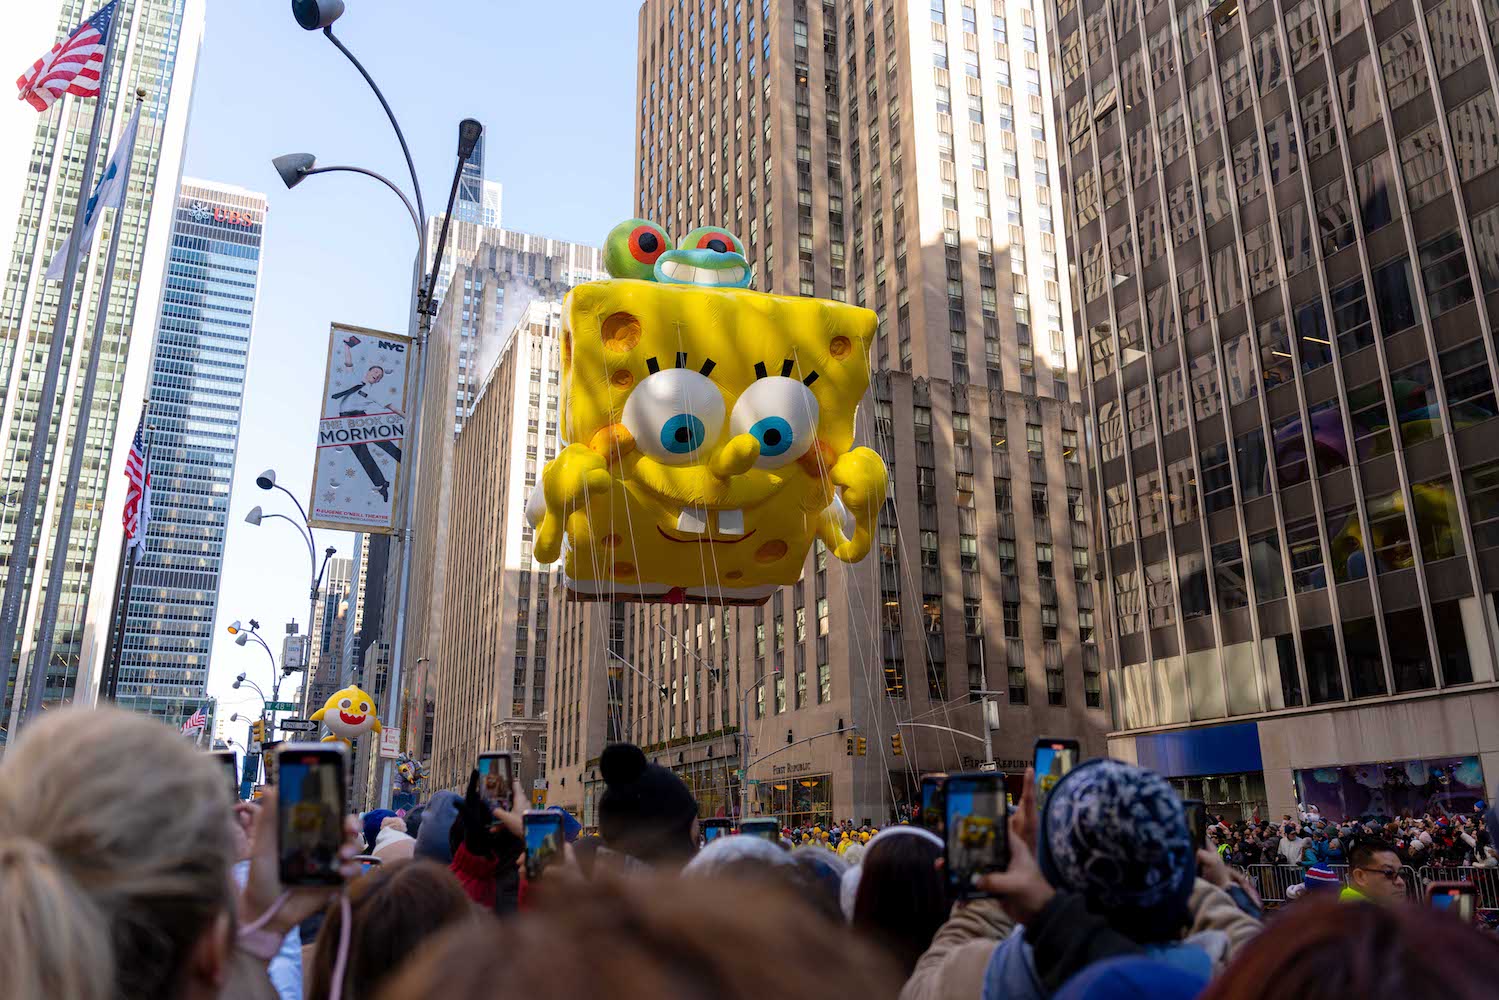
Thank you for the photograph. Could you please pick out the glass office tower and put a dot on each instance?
(1283, 216)
(196, 393)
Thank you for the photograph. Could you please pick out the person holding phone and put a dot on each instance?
(1107, 868)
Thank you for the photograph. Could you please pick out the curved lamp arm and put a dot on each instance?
(421, 233)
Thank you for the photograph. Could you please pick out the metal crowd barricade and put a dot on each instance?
(1272, 881)
(1486, 879)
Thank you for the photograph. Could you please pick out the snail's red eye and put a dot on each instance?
(647, 243)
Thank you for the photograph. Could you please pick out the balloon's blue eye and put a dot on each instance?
(774, 434)
(682, 434)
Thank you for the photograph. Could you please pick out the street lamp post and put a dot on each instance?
(319, 15)
(242, 637)
(267, 481)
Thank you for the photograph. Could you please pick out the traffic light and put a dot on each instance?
(850, 746)
(257, 730)
(895, 746)
(863, 746)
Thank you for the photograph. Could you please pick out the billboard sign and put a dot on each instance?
(361, 432)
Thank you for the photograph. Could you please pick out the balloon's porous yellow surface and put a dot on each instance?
(708, 429)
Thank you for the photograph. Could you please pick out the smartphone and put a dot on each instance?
(1052, 760)
(497, 779)
(230, 763)
(1197, 821)
(931, 803)
(764, 827)
(714, 828)
(977, 837)
(544, 840)
(367, 863)
(1458, 898)
(313, 801)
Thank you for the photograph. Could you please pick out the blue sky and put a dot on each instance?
(554, 85)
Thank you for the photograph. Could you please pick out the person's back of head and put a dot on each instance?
(1117, 834)
(822, 872)
(1326, 949)
(433, 840)
(114, 860)
(645, 811)
(647, 937)
(901, 900)
(393, 910)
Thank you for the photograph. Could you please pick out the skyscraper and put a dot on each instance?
(196, 392)
(336, 602)
(497, 326)
(823, 134)
(1284, 218)
(156, 48)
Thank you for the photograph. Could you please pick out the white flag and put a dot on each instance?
(109, 194)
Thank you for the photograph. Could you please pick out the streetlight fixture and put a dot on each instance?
(257, 516)
(314, 15)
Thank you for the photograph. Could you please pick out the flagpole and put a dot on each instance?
(62, 536)
(112, 645)
(26, 516)
(122, 613)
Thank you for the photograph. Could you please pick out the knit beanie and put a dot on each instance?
(645, 810)
(371, 826)
(1320, 877)
(1117, 834)
(432, 840)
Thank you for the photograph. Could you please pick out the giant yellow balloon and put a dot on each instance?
(709, 428)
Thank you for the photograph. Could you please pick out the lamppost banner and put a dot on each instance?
(361, 432)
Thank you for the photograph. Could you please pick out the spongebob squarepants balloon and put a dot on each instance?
(711, 428)
(349, 713)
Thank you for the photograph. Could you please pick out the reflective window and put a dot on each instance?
(1264, 560)
(1304, 30)
(1110, 430)
(1215, 204)
(1259, 256)
(1317, 123)
(1269, 70)
(1365, 662)
(1228, 576)
(1371, 179)
(1181, 208)
(1296, 239)
(1217, 478)
(1475, 136)
(1247, 176)
(1141, 156)
(1253, 466)
(1173, 398)
(1233, 74)
(1403, 65)
(1173, 132)
(1456, 38)
(1194, 301)
(1238, 369)
(1481, 487)
(1328, 440)
(1470, 390)
(1334, 217)
(1140, 421)
(1370, 419)
(1485, 229)
(1423, 166)
(1417, 410)
(1291, 465)
(1181, 486)
(1280, 148)
(1359, 91)
(1159, 593)
(1160, 315)
(1203, 106)
(1313, 342)
(1192, 584)
(1276, 361)
(1319, 651)
(1205, 398)
(1444, 273)
(1395, 295)
(1438, 526)
(1127, 599)
(1304, 546)
(1150, 503)
(1345, 545)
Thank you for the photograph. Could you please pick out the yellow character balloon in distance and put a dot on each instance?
(349, 713)
(711, 428)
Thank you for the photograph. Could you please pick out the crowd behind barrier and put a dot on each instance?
(1273, 881)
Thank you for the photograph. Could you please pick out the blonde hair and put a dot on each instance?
(114, 856)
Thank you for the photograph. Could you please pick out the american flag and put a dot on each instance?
(195, 723)
(74, 65)
(138, 493)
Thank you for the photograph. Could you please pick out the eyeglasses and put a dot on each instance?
(1390, 874)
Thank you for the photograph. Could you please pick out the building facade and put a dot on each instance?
(196, 393)
(337, 605)
(487, 636)
(1285, 218)
(506, 296)
(824, 135)
(156, 48)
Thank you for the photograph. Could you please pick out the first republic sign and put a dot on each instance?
(362, 431)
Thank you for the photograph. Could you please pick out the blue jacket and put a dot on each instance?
(1012, 974)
